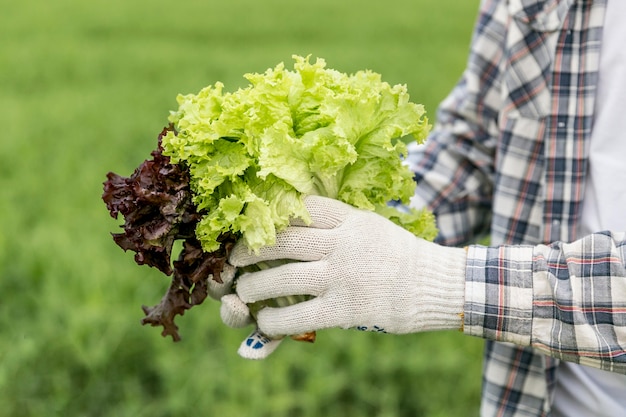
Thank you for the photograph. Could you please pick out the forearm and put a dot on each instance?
(454, 171)
(567, 300)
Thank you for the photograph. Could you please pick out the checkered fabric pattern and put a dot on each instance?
(508, 157)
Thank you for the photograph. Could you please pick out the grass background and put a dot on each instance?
(85, 87)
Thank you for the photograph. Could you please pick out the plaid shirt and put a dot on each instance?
(508, 156)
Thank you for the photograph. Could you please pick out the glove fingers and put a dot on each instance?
(326, 213)
(257, 346)
(299, 318)
(297, 278)
(296, 243)
(299, 242)
(234, 312)
(216, 289)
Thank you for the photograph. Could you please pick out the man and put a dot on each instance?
(528, 146)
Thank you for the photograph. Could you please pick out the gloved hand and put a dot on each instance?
(363, 271)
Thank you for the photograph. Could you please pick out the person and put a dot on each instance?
(528, 147)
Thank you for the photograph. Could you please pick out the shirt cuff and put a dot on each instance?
(499, 293)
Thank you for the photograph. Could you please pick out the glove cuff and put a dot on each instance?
(442, 289)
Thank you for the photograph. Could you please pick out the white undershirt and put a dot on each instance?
(582, 391)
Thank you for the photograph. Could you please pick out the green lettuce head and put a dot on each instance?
(253, 154)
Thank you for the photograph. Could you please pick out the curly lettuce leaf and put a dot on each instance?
(157, 205)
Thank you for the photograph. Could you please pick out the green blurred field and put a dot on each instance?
(85, 87)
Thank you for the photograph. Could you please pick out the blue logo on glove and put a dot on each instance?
(257, 341)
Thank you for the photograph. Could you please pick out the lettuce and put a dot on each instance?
(237, 165)
(156, 202)
(253, 154)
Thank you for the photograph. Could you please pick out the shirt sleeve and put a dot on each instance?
(454, 170)
(567, 300)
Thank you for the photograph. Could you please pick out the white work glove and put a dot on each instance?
(363, 271)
